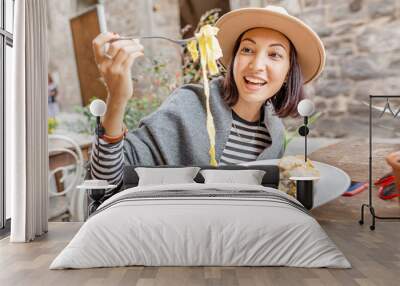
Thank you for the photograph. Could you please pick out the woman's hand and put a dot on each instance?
(115, 62)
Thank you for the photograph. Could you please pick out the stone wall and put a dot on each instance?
(362, 41)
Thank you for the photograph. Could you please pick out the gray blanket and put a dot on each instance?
(204, 194)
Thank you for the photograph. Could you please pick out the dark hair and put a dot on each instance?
(285, 100)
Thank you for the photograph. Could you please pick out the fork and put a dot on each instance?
(182, 42)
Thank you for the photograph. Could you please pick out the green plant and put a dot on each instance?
(154, 78)
(52, 124)
(86, 124)
(136, 109)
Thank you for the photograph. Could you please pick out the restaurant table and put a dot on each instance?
(351, 155)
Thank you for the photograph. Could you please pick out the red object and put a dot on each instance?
(387, 189)
(387, 178)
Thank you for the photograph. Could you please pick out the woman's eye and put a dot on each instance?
(276, 55)
(246, 50)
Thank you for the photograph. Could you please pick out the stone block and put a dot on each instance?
(347, 10)
(358, 109)
(321, 106)
(360, 68)
(382, 8)
(330, 72)
(380, 38)
(323, 31)
(332, 87)
(311, 3)
(363, 89)
(385, 86)
(342, 28)
(395, 64)
(315, 18)
(329, 127)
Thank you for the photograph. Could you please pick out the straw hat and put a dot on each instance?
(310, 50)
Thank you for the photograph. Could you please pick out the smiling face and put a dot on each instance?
(261, 64)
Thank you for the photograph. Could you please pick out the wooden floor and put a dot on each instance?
(374, 255)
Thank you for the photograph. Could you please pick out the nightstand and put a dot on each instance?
(96, 190)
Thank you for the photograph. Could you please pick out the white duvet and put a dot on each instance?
(207, 230)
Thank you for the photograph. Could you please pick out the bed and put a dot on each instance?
(201, 224)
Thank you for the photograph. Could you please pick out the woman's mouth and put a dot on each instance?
(253, 83)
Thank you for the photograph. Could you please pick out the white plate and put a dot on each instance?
(96, 187)
(331, 185)
(304, 178)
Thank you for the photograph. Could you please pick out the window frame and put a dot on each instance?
(6, 39)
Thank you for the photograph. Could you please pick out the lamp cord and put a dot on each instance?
(305, 138)
(99, 134)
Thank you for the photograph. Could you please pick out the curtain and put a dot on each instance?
(26, 124)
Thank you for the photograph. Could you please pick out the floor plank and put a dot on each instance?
(375, 257)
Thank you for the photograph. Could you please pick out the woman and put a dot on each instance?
(268, 54)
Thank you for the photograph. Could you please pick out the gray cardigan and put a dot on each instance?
(176, 134)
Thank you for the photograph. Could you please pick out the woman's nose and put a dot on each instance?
(258, 63)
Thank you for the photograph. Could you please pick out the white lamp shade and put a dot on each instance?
(98, 107)
(306, 107)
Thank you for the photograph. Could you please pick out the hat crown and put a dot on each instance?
(277, 9)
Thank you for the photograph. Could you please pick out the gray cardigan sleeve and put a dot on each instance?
(168, 136)
(144, 145)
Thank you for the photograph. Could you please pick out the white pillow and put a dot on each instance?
(164, 176)
(248, 177)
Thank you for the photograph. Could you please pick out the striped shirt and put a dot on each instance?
(107, 161)
(246, 141)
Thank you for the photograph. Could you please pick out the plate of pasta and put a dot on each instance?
(332, 182)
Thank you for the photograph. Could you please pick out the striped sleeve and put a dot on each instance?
(107, 161)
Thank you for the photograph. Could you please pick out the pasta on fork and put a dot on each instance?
(210, 52)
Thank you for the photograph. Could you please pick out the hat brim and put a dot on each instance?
(309, 48)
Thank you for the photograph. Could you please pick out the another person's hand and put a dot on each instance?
(393, 159)
(115, 64)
